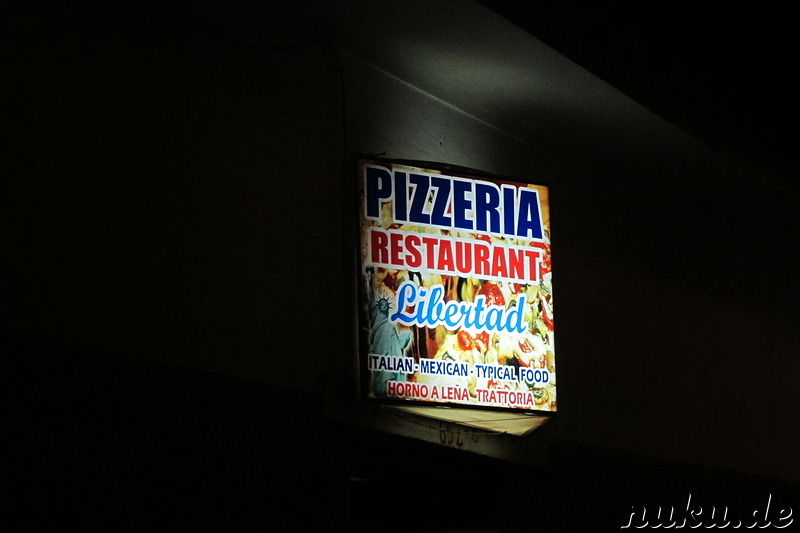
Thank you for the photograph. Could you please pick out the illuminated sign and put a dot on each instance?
(456, 303)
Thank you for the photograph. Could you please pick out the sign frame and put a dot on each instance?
(473, 333)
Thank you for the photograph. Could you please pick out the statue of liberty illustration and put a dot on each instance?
(384, 337)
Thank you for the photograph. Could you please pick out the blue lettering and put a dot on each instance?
(449, 313)
(379, 188)
(421, 308)
(509, 201)
(487, 207)
(406, 296)
(451, 202)
(417, 213)
(461, 204)
(400, 197)
(434, 305)
(514, 318)
(529, 220)
(432, 311)
(493, 317)
(439, 216)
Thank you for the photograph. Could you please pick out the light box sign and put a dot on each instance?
(456, 299)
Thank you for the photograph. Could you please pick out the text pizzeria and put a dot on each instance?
(448, 202)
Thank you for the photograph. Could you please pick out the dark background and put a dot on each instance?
(123, 444)
(723, 72)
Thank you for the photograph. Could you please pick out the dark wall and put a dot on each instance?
(174, 178)
(171, 185)
(169, 195)
(125, 445)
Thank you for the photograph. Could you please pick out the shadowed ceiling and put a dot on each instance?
(721, 73)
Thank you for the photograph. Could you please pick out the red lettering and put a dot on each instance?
(464, 257)
(414, 258)
(445, 259)
(397, 248)
(430, 247)
(516, 263)
(533, 260)
(378, 243)
(481, 259)
(499, 262)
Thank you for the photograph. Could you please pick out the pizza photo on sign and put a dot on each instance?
(456, 298)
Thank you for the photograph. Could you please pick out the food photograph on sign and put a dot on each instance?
(456, 304)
